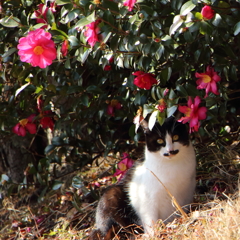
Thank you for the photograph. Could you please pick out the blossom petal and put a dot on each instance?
(31, 127)
(202, 113)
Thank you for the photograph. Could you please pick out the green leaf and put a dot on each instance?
(39, 25)
(114, 42)
(192, 90)
(77, 182)
(57, 141)
(111, 5)
(188, 36)
(161, 117)
(73, 41)
(165, 75)
(85, 21)
(94, 89)
(198, 15)
(56, 185)
(205, 28)
(171, 110)
(10, 22)
(182, 91)
(236, 29)
(9, 52)
(147, 108)
(62, 2)
(187, 7)
(159, 52)
(49, 149)
(50, 17)
(217, 20)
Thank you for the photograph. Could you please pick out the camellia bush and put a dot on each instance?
(90, 71)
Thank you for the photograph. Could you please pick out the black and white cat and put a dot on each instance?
(140, 198)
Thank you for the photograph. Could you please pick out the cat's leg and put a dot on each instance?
(149, 218)
(112, 212)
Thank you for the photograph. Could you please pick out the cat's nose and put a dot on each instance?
(171, 152)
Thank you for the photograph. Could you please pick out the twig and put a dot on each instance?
(38, 233)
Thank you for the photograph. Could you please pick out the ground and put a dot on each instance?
(68, 213)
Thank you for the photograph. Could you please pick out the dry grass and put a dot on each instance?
(221, 221)
(215, 216)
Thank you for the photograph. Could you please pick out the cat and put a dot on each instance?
(140, 197)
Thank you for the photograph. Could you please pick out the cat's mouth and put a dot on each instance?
(171, 153)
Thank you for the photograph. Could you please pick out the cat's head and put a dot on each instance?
(168, 139)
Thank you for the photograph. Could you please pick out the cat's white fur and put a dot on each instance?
(177, 172)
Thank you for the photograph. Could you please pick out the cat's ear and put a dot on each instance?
(144, 125)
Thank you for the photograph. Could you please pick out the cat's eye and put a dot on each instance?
(175, 137)
(160, 141)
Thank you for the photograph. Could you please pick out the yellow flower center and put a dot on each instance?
(206, 78)
(188, 112)
(143, 80)
(161, 102)
(38, 50)
(114, 102)
(23, 122)
(122, 167)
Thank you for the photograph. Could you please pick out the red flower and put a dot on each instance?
(45, 121)
(64, 48)
(208, 80)
(112, 106)
(111, 60)
(92, 33)
(207, 12)
(107, 68)
(123, 166)
(41, 13)
(162, 105)
(193, 113)
(25, 125)
(129, 4)
(144, 80)
(37, 48)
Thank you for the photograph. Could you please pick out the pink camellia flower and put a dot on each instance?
(208, 81)
(129, 4)
(123, 166)
(166, 91)
(25, 125)
(41, 14)
(92, 33)
(112, 106)
(144, 80)
(37, 48)
(207, 12)
(193, 113)
(64, 48)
